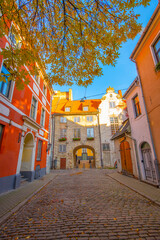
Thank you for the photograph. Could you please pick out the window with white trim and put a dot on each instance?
(105, 146)
(76, 119)
(85, 108)
(63, 132)
(42, 117)
(67, 109)
(114, 124)
(111, 104)
(77, 133)
(90, 132)
(5, 85)
(33, 108)
(14, 38)
(62, 148)
(156, 49)
(63, 119)
(89, 118)
(39, 150)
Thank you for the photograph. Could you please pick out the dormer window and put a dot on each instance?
(67, 109)
(85, 108)
(37, 77)
(14, 38)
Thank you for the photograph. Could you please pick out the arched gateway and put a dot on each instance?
(84, 156)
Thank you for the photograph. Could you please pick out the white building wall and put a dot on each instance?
(110, 157)
(139, 125)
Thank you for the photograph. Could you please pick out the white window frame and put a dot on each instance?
(62, 148)
(43, 123)
(85, 108)
(63, 132)
(63, 119)
(76, 119)
(112, 104)
(39, 151)
(77, 133)
(114, 125)
(12, 84)
(35, 108)
(89, 118)
(67, 109)
(153, 50)
(44, 89)
(90, 132)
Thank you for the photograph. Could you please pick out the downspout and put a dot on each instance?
(100, 142)
(53, 138)
(154, 151)
(137, 158)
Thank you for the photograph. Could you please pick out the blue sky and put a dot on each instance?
(120, 76)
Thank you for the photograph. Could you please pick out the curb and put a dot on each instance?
(21, 204)
(135, 190)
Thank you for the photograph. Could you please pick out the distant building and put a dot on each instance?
(81, 130)
(146, 55)
(24, 127)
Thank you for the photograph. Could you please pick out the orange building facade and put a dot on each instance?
(24, 128)
(146, 55)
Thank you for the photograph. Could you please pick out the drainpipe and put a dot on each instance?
(52, 140)
(100, 142)
(137, 158)
(154, 151)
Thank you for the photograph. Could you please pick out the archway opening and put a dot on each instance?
(84, 157)
(26, 164)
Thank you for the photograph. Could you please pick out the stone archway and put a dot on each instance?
(27, 157)
(84, 159)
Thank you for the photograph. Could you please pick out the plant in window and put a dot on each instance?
(90, 138)
(76, 139)
(62, 139)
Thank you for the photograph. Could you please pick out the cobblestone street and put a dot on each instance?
(85, 204)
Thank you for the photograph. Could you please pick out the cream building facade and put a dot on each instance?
(85, 125)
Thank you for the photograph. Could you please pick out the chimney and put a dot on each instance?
(120, 93)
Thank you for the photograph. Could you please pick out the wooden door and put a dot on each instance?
(126, 157)
(63, 163)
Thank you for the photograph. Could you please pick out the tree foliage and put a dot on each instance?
(70, 37)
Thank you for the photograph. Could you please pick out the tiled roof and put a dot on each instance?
(122, 130)
(76, 107)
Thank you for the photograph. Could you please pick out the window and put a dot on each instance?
(14, 38)
(62, 148)
(63, 132)
(111, 104)
(63, 119)
(43, 117)
(1, 132)
(136, 105)
(84, 150)
(5, 86)
(39, 150)
(85, 108)
(44, 89)
(110, 95)
(33, 108)
(105, 146)
(156, 48)
(114, 124)
(37, 77)
(77, 133)
(89, 118)
(67, 109)
(76, 119)
(90, 132)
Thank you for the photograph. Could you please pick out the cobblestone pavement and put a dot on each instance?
(85, 204)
